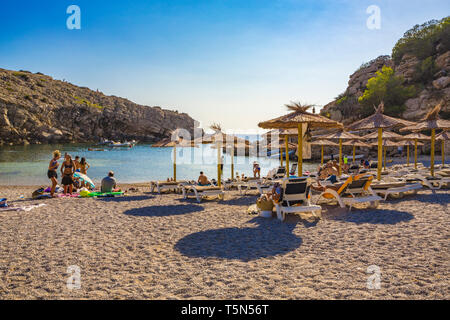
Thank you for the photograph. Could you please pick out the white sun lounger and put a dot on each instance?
(296, 199)
(414, 187)
(202, 191)
(165, 185)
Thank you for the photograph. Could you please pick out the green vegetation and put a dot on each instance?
(387, 87)
(420, 41)
(21, 75)
(425, 70)
(89, 104)
(27, 97)
(341, 100)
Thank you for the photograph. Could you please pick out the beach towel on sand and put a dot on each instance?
(22, 208)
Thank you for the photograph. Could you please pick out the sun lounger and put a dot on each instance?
(165, 185)
(278, 174)
(432, 183)
(202, 191)
(399, 188)
(356, 189)
(296, 198)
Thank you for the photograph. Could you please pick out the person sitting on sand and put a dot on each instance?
(51, 173)
(108, 183)
(256, 170)
(67, 170)
(203, 180)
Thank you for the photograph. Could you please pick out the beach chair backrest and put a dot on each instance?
(359, 184)
(281, 172)
(293, 169)
(295, 191)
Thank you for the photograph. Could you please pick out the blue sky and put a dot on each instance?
(230, 61)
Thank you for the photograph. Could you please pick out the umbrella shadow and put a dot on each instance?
(248, 243)
(377, 216)
(125, 198)
(164, 211)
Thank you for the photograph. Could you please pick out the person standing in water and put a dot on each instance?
(51, 173)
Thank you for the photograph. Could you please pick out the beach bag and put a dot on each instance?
(38, 192)
(264, 204)
(3, 203)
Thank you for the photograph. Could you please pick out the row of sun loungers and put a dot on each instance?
(296, 192)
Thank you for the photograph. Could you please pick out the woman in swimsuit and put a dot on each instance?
(84, 166)
(67, 170)
(51, 173)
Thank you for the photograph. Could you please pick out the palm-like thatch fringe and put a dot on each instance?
(416, 135)
(379, 120)
(323, 142)
(445, 135)
(430, 121)
(216, 127)
(356, 143)
(385, 135)
(299, 115)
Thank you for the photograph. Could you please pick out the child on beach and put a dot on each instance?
(51, 173)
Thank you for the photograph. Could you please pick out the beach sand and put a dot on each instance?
(147, 246)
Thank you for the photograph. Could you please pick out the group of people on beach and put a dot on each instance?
(68, 168)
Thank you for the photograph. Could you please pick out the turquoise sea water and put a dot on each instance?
(27, 165)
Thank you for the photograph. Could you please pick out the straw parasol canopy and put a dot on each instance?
(385, 135)
(443, 136)
(431, 122)
(409, 143)
(387, 143)
(341, 135)
(379, 121)
(298, 117)
(323, 143)
(274, 145)
(356, 143)
(416, 136)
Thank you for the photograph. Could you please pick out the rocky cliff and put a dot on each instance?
(425, 65)
(34, 108)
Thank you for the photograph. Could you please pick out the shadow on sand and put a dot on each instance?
(441, 197)
(377, 216)
(163, 211)
(268, 238)
(125, 198)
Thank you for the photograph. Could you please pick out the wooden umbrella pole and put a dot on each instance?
(287, 154)
(415, 153)
(321, 158)
(175, 163)
(443, 152)
(219, 174)
(433, 133)
(407, 154)
(340, 157)
(384, 162)
(232, 163)
(300, 149)
(380, 150)
(281, 156)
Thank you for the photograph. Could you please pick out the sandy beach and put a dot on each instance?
(148, 246)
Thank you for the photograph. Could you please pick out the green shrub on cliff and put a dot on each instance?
(387, 87)
(420, 41)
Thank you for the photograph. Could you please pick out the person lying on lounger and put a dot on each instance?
(203, 180)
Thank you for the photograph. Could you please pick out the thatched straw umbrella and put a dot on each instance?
(433, 122)
(411, 143)
(299, 118)
(414, 137)
(379, 121)
(281, 133)
(221, 139)
(385, 144)
(323, 143)
(356, 143)
(384, 135)
(169, 143)
(341, 135)
(443, 136)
